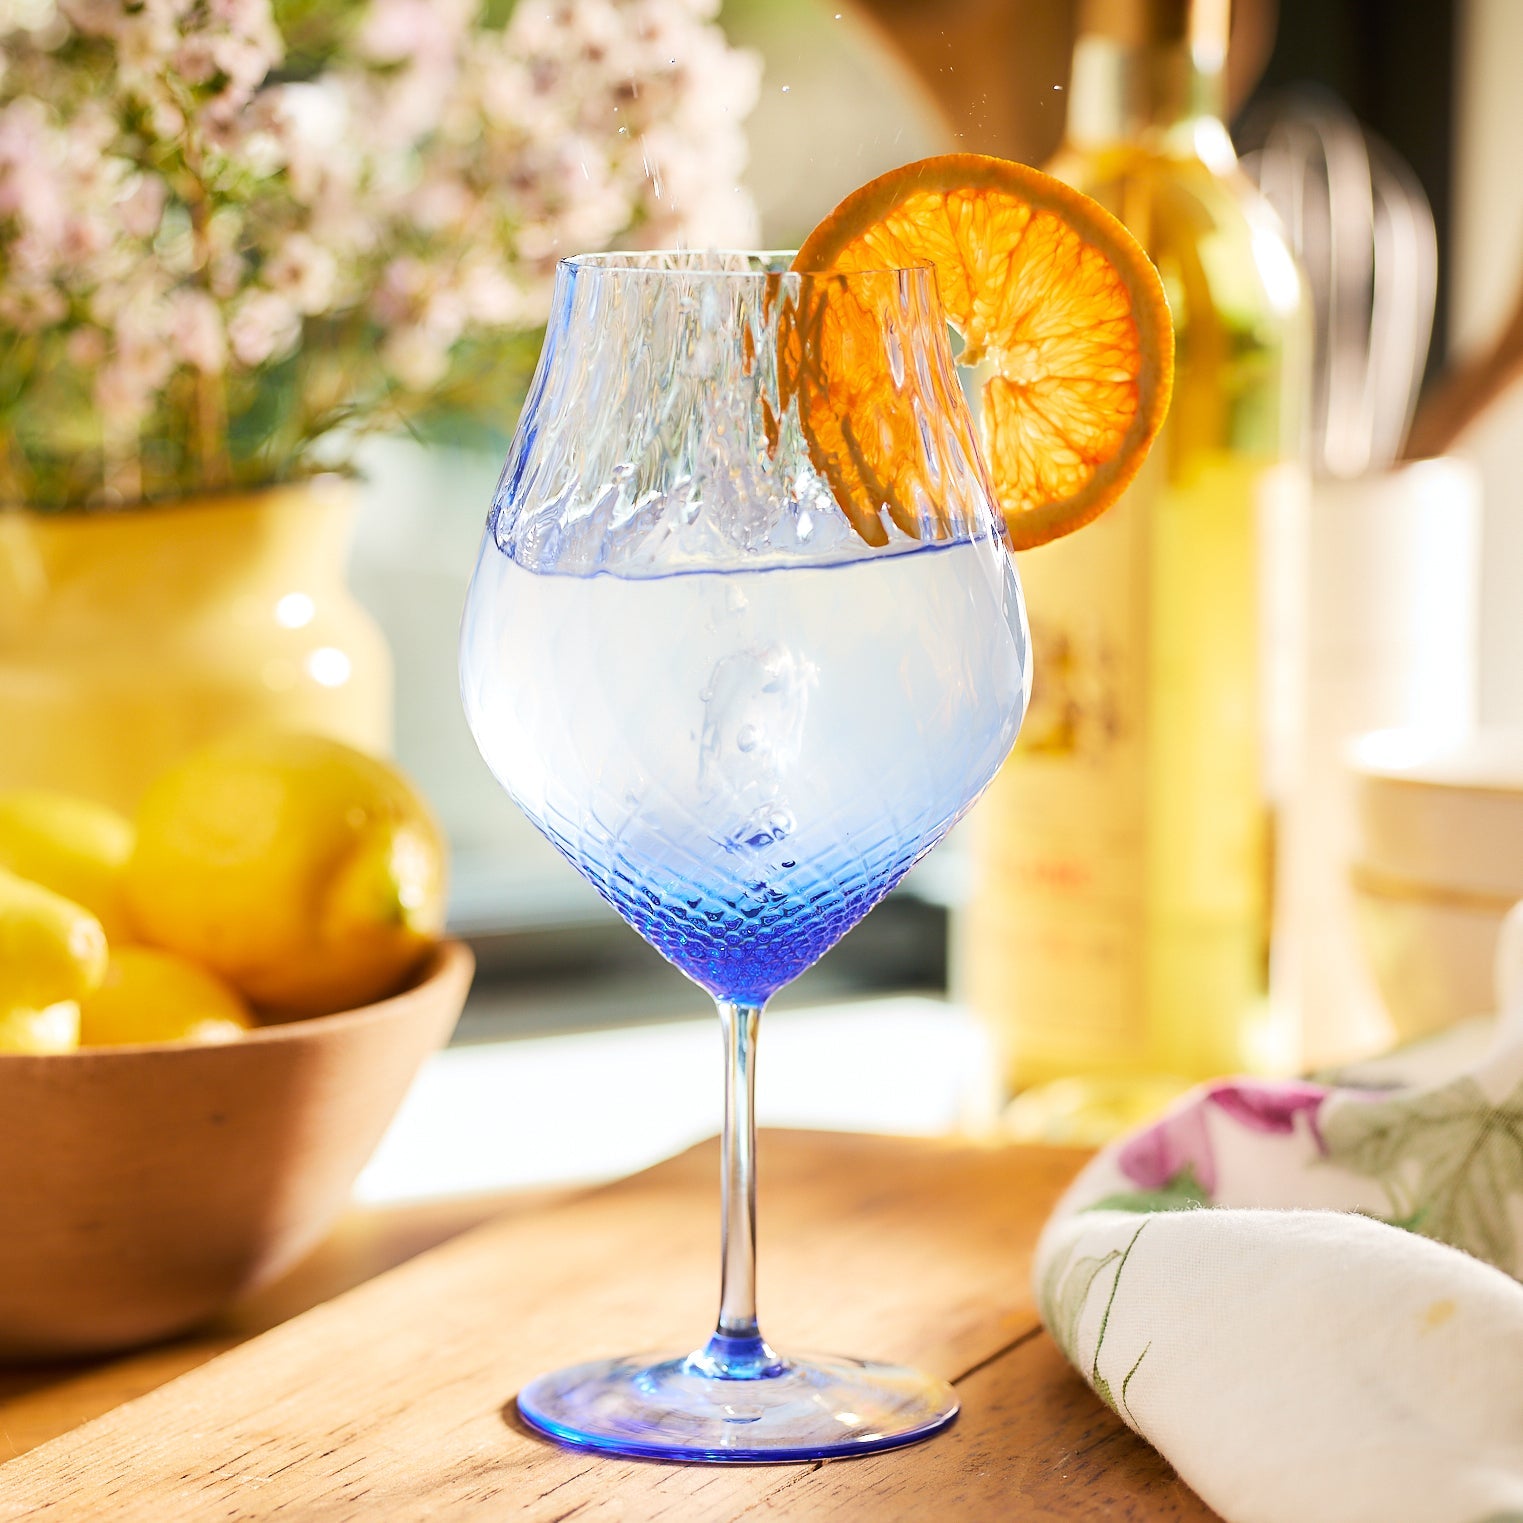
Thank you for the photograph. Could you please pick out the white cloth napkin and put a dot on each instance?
(1305, 1295)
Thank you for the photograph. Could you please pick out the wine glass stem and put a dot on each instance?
(737, 1350)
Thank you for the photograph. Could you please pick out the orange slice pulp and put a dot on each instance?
(1062, 318)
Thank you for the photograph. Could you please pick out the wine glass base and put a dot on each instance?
(809, 1409)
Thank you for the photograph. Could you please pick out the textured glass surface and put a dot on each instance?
(741, 716)
(737, 719)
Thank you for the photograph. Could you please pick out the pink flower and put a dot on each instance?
(304, 272)
(416, 357)
(102, 18)
(400, 292)
(1156, 1157)
(225, 274)
(85, 347)
(264, 326)
(491, 295)
(165, 119)
(122, 399)
(30, 308)
(196, 332)
(399, 31)
(31, 189)
(139, 361)
(144, 34)
(195, 60)
(1269, 1105)
(142, 208)
(1182, 1140)
(313, 127)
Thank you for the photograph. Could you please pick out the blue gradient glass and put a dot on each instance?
(742, 717)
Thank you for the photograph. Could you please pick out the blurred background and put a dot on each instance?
(346, 264)
(848, 90)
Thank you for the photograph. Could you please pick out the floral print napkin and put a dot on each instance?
(1305, 1295)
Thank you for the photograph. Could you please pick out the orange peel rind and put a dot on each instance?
(1063, 321)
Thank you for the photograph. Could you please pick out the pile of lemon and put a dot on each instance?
(268, 876)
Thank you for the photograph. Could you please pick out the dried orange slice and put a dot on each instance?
(1062, 317)
(881, 417)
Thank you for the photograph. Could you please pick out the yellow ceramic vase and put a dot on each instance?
(128, 638)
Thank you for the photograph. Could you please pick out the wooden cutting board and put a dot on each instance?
(395, 1399)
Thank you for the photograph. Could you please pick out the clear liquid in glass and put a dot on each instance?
(744, 762)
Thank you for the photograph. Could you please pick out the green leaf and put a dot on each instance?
(1065, 1292)
(1448, 1160)
(1182, 1193)
(1126, 1384)
(1101, 1384)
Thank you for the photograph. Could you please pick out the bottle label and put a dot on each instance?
(1121, 914)
(1056, 958)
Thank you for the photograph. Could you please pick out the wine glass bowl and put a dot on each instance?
(742, 696)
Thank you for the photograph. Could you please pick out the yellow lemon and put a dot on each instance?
(154, 996)
(308, 875)
(74, 846)
(54, 1028)
(52, 953)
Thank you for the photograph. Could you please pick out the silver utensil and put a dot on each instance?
(1357, 218)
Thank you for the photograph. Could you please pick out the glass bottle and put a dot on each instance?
(1119, 933)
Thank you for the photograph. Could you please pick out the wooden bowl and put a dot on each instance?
(143, 1188)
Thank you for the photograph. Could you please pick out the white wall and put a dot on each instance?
(1484, 276)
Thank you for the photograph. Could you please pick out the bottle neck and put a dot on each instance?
(1151, 73)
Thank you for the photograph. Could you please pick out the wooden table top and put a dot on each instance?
(394, 1399)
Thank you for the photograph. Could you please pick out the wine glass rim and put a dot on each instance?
(766, 264)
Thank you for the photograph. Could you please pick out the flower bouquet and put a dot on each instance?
(237, 235)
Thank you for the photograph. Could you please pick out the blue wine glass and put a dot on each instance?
(743, 709)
